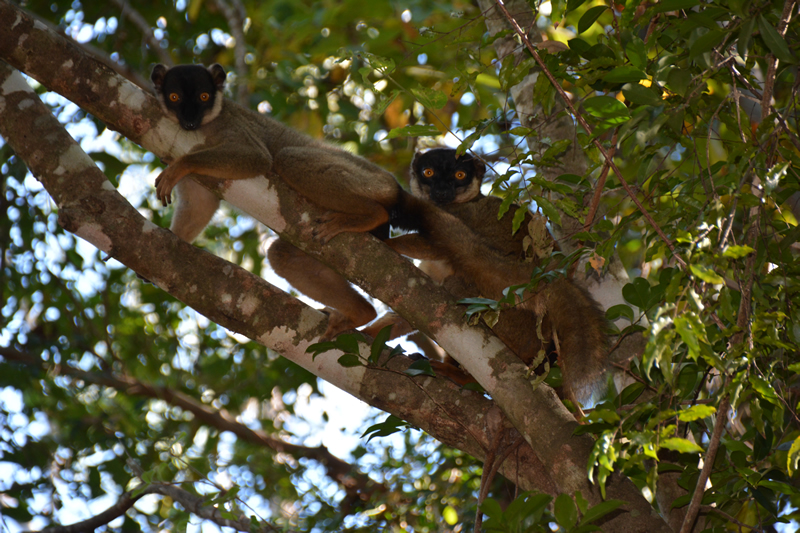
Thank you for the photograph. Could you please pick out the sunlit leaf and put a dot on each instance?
(793, 458)
(737, 251)
(706, 274)
(681, 445)
(696, 412)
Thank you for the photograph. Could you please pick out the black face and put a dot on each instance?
(190, 93)
(441, 177)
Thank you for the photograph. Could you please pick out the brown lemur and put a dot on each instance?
(241, 143)
(479, 255)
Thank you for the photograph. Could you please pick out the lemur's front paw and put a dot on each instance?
(165, 182)
(328, 226)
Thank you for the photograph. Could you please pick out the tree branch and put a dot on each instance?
(190, 502)
(708, 464)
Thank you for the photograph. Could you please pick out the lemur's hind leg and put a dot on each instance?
(346, 307)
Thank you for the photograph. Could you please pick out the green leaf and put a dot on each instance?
(600, 510)
(520, 131)
(745, 36)
(689, 336)
(391, 425)
(420, 368)
(430, 98)
(764, 388)
(383, 102)
(678, 81)
(638, 94)
(572, 5)
(413, 131)
(379, 344)
(626, 74)
(320, 348)
(565, 511)
(608, 109)
(350, 360)
(491, 508)
(631, 393)
(589, 18)
(558, 148)
(549, 210)
(637, 53)
(618, 311)
(775, 42)
(637, 292)
(348, 342)
(706, 42)
(706, 274)
(681, 445)
(696, 412)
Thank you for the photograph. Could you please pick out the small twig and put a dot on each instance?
(726, 516)
(600, 185)
(708, 464)
(130, 13)
(235, 15)
(772, 62)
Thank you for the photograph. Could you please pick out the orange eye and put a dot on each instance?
(427, 172)
(174, 97)
(204, 97)
(460, 175)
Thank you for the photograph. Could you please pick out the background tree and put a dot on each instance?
(110, 384)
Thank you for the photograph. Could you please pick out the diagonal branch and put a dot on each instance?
(191, 503)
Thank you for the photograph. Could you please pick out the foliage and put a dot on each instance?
(677, 88)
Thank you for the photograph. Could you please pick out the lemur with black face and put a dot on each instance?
(478, 255)
(241, 143)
